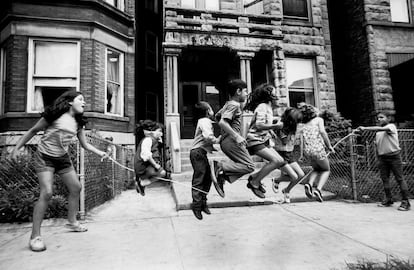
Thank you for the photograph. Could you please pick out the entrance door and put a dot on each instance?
(190, 94)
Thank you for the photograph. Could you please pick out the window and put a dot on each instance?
(297, 9)
(253, 6)
(152, 5)
(300, 81)
(53, 69)
(114, 82)
(151, 51)
(399, 11)
(2, 79)
(116, 3)
(201, 4)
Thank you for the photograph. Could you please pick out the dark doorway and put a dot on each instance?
(403, 92)
(203, 74)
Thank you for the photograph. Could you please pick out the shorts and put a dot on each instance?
(46, 163)
(255, 148)
(287, 156)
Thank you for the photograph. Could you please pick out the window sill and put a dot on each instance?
(20, 115)
(390, 24)
(106, 116)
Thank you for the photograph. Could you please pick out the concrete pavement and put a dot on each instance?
(134, 232)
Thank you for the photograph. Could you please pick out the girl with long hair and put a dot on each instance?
(60, 122)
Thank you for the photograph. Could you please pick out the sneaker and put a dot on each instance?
(36, 244)
(308, 191)
(140, 188)
(386, 203)
(318, 195)
(286, 195)
(405, 205)
(217, 178)
(275, 185)
(76, 227)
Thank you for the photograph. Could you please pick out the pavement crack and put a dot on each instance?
(388, 255)
(177, 244)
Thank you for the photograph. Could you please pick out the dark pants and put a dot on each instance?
(388, 164)
(240, 164)
(201, 177)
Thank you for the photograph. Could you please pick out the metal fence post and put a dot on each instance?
(81, 153)
(353, 177)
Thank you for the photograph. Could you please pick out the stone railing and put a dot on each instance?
(181, 19)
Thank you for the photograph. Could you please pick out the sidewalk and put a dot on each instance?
(135, 232)
(237, 194)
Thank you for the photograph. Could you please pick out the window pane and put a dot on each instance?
(295, 8)
(113, 103)
(253, 6)
(45, 96)
(113, 66)
(298, 97)
(399, 11)
(55, 59)
(188, 3)
(299, 73)
(212, 5)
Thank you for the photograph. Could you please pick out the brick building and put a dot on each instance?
(373, 52)
(208, 42)
(48, 47)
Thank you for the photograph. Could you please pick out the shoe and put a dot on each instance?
(36, 244)
(308, 191)
(140, 188)
(275, 185)
(256, 191)
(386, 203)
(197, 214)
(318, 195)
(205, 209)
(286, 195)
(76, 227)
(218, 179)
(405, 205)
(261, 187)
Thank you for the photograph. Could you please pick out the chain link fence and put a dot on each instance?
(101, 180)
(354, 169)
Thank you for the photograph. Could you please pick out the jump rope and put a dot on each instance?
(202, 191)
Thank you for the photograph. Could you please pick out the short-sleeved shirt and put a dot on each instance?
(387, 142)
(262, 114)
(203, 134)
(231, 112)
(58, 135)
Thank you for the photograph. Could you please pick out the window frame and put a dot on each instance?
(155, 6)
(31, 84)
(120, 5)
(121, 82)
(201, 4)
(297, 18)
(147, 49)
(3, 68)
(408, 13)
(314, 90)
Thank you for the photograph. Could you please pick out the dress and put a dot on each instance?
(314, 146)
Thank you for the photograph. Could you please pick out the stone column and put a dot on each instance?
(279, 79)
(245, 75)
(172, 116)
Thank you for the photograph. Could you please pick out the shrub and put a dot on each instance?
(335, 122)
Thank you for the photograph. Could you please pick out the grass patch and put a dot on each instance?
(390, 264)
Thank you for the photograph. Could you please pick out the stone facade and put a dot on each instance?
(364, 51)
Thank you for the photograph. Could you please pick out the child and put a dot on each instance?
(389, 159)
(259, 135)
(60, 122)
(232, 143)
(284, 145)
(202, 144)
(314, 141)
(147, 156)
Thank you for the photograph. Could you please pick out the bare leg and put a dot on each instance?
(46, 182)
(72, 183)
(324, 173)
(298, 170)
(275, 161)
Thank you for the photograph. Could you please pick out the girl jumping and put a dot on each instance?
(147, 156)
(314, 141)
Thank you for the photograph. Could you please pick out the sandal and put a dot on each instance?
(256, 191)
(76, 227)
(261, 187)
